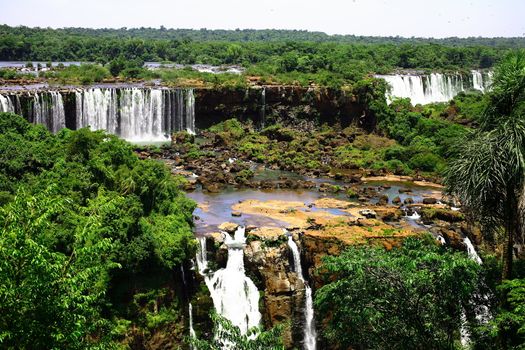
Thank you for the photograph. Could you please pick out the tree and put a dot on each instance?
(116, 66)
(48, 299)
(488, 175)
(511, 321)
(411, 297)
(228, 336)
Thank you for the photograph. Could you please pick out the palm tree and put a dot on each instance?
(488, 175)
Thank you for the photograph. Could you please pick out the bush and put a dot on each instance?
(411, 297)
(427, 162)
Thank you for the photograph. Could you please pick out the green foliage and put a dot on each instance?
(227, 335)
(410, 297)
(75, 206)
(49, 299)
(229, 129)
(510, 321)
(488, 174)
(84, 74)
(287, 57)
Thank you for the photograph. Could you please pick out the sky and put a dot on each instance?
(419, 18)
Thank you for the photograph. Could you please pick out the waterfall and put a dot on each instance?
(190, 112)
(6, 105)
(202, 256)
(234, 295)
(482, 311)
(58, 114)
(190, 313)
(263, 107)
(472, 251)
(48, 110)
(310, 335)
(97, 109)
(435, 87)
(136, 114)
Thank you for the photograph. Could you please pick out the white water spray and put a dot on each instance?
(6, 105)
(482, 311)
(435, 87)
(310, 334)
(190, 313)
(234, 295)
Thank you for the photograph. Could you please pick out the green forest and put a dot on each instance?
(303, 56)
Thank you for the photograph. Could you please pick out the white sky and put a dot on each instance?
(424, 18)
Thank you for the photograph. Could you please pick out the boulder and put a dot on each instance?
(229, 227)
(368, 213)
(429, 200)
(383, 200)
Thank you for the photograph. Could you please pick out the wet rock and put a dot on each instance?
(236, 213)
(213, 187)
(250, 228)
(389, 214)
(216, 237)
(271, 234)
(396, 200)
(368, 213)
(229, 227)
(326, 187)
(383, 200)
(453, 239)
(472, 231)
(429, 200)
(428, 215)
(190, 185)
(408, 200)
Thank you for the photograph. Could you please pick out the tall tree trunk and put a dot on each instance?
(520, 237)
(507, 252)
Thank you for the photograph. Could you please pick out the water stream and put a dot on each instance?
(234, 295)
(482, 311)
(190, 313)
(310, 334)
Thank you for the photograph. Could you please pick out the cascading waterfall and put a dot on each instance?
(435, 87)
(135, 114)
(48, 110)
(471, 251)
(310, 335)
(58, 114)
(190, 112)
(482, 311)
(263, 107)
(234, 295)
(97, 108)
(190, 313)
(6, 105)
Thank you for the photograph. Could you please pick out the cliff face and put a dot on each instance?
(285, 104)
(289, 105)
